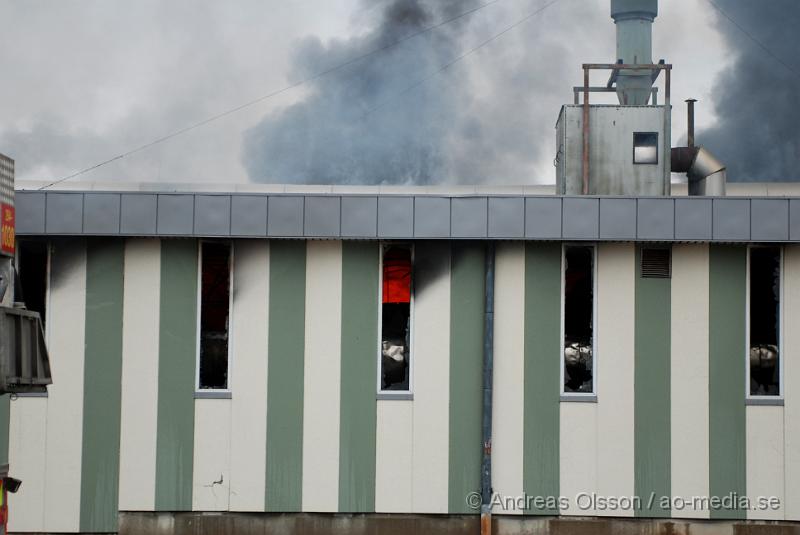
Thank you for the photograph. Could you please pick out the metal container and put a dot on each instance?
(612, 152)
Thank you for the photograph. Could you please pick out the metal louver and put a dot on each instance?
(656, 263)
(24, 362)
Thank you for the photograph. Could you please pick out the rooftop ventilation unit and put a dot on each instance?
(619, 149)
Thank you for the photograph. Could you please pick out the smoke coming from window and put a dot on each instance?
(757, 135)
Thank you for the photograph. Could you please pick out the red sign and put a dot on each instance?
(7, 242)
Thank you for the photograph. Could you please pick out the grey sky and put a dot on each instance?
(85, 80)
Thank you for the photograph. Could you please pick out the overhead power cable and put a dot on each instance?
(753, 38)
(469, 52)
(268, 96)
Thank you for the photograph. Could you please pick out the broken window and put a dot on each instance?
(578, 361)
(32, 266)
(765, 292)
(215, 284)
(645, 147)
(395, 354)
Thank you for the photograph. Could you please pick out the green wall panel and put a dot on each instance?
(652, 392)
(540, 471)
(360, 266)
(726, 388)
(176, 375)
(102, 385)
(286, 348)
(467, 296)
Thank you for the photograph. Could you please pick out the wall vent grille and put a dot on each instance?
(656, 263)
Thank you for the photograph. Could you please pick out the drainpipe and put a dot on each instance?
(488, 374)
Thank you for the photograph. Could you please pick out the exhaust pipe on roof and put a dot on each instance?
(634, 22)
(707, 175)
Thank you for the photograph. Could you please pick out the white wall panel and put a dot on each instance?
(393, 456)
(139, 399)
(578, 451)
(27, 434)
(689, 375)
(249, 321)
(65, 402)
(616, 298)
(791, 378)
(509, 371)
(765, 458)
(323, 332)
(211, 463)
(431, 381)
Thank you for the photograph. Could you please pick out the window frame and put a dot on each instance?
(762, 399)
(48, 263)
(212, 393)
(395, 394)
(633, 149)
(578, 396)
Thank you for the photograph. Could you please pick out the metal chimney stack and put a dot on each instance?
(634, 21)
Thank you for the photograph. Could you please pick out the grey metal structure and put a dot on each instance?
(625, 149)
(24, 363)
(397, 216)
(612, 170)
(634, 22)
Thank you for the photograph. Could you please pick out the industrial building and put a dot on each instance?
(662, 392)
(614, 353)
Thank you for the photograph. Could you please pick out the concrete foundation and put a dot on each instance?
(375, 524)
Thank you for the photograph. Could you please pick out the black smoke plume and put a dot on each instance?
(756, 99)
(487, 119)
(354, 128)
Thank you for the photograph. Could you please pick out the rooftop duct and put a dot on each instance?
(706, 174)
(634, 21)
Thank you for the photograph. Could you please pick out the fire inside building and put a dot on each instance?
(611, 354)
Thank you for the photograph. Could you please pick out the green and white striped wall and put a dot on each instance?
(303, 431)
(670, 417)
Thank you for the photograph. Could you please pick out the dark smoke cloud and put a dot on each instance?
(756, 98)
(487, 119)
(350, 129)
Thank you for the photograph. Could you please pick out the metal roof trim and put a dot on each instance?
(396, 215)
